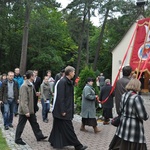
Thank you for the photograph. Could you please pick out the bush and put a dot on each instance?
(85, 73)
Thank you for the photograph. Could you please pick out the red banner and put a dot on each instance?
(141, 49)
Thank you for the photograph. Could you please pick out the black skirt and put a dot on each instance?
(89, 122)
(120, 144)
(63, 134)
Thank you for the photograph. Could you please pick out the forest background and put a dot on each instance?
(35, 34)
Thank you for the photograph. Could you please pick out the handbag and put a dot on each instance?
(116, 120)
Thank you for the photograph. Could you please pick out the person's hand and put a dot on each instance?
(17, 101)
(27, 115)
(38, 93)
(63, 114)
(1, 102)
(97, 98)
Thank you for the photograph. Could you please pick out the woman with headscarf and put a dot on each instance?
(88, 110)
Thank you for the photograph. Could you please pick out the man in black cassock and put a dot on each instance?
(62, 133)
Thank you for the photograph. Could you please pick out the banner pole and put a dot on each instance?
(114, 85)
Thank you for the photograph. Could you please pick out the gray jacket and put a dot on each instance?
(45, 91)
(88, 109)
(26, 101)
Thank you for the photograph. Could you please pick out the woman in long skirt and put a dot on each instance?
(130, 132)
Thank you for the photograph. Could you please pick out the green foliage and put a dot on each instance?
(84, 74)
(51, 46)
(3, 145)
(54, 35)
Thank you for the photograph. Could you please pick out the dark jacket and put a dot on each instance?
(64, 100)
(4, 91)
(37, 83)
(104, 94)
(119, 90)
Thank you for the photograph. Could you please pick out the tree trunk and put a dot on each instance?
(100, 40)
(87, 43)
(80, 43)
(23, 60)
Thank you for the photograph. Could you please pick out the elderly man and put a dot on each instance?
(9, 96)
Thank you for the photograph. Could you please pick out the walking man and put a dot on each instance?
(26, 110)
(62, 133)
(120, 86)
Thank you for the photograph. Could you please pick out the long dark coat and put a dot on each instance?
(64, 100)
(104, 94)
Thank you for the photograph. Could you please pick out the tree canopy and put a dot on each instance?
(56, 38)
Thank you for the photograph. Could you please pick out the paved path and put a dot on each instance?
(94, 141)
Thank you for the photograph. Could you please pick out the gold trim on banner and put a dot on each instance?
(140, 61)
(145, 70)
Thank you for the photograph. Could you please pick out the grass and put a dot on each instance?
(3, 144)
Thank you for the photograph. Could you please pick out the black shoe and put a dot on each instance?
(82, 148)
(6, 127)
(11, 126)
(20, 142)
(42, 138)
(16, 114)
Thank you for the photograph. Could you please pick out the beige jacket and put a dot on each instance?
(26, 99)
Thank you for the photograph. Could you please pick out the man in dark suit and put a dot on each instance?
(37, 83)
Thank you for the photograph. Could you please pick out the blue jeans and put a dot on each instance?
(45, 109)
(8, 112)
(15, 107)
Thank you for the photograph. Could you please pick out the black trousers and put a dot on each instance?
(33, 122)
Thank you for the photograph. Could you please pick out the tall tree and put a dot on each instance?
(84, 7)
(23, 60)
(100, 38)
(29, 5)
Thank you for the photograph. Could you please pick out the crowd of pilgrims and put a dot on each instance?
(19, 95)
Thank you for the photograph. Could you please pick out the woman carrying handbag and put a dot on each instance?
(130, 132)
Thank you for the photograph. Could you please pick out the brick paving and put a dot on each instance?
(99, 141)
